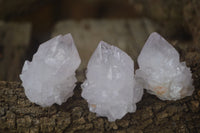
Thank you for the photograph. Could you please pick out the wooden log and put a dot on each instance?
(18, 114)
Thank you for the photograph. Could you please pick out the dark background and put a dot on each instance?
(177, 20)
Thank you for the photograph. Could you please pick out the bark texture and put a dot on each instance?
(18, 114)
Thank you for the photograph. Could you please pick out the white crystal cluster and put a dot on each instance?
(161, 71)
(50, 77)
(110, 88)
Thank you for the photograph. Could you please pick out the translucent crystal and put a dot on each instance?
(161, 71)
(110, 88)
(50, 77)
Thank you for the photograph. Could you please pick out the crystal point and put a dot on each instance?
(50, 77)
(110, 88)
(161, 71)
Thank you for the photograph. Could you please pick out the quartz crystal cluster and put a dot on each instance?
(110, 88)
(161, 71)
(50, 77)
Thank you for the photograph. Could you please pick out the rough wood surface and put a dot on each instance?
(18, 114)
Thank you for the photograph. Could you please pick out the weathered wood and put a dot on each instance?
(18, 114)
(14, 39)
(191, 12)
(179, 18)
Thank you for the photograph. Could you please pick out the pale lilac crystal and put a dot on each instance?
(50, 77)
(110, 88)
(161, 71)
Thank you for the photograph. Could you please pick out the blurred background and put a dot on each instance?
(25, 24)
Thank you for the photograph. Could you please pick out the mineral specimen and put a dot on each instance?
(161, 71)
(50, 77)
(110, 88)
